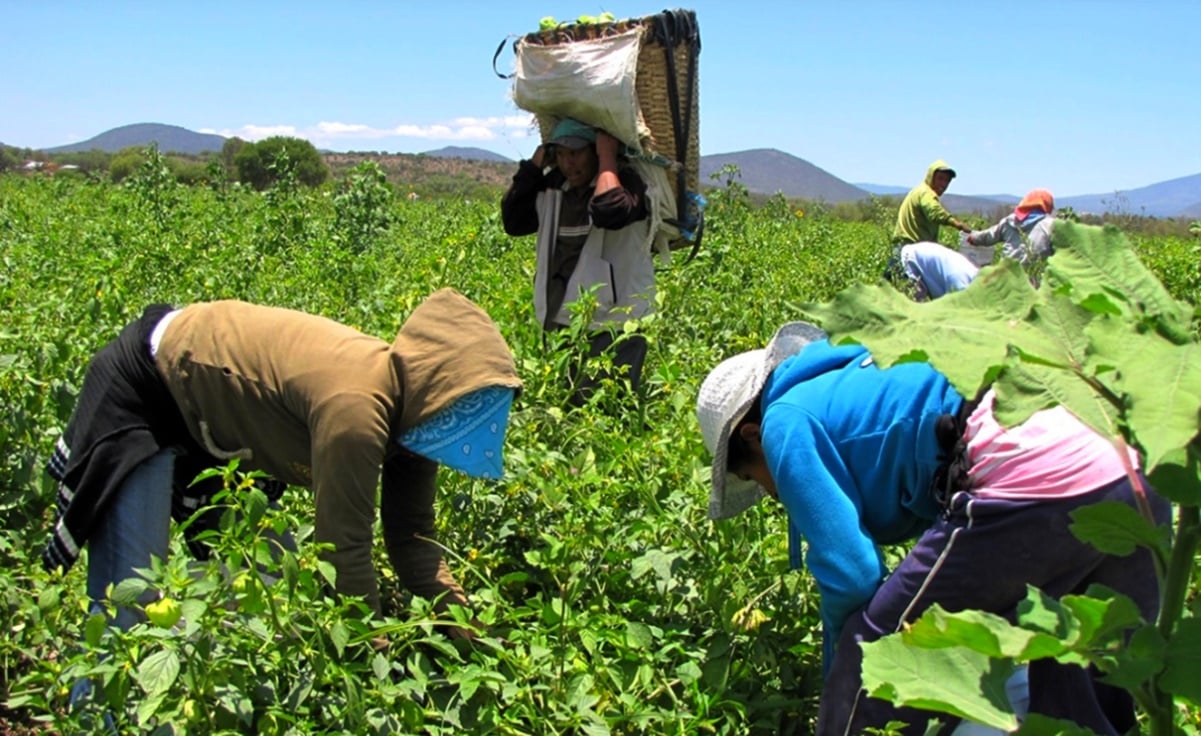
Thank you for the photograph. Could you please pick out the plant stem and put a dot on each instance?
(1175, 589)
(1180, 567)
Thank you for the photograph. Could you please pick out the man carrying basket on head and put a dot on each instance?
(591, 217)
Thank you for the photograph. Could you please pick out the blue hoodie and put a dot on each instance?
(852, 449)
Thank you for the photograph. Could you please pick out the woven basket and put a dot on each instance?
(651, 86)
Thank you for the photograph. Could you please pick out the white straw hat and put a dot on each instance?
(726, 396)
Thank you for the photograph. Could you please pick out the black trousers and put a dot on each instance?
(628, 354)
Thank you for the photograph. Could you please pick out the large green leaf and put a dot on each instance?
(1178, 477)
(158, 671)
(1092, 262)
(1117, 529)
(952, 680)
(1130, 666)
(1102, 615)
(94, 628)
(1039, 725)
(1061, 345)
(1182, 672)
(1041, 612)
(1159, 381)
(1052, 370)
(965, 334)
(1023, 388)
(980, 631)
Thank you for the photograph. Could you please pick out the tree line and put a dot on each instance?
(257, 164)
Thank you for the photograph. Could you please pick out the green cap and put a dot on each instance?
(572, 134)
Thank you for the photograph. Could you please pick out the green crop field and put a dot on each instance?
(612, 604)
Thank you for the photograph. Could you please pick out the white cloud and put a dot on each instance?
(330, 134)
(340, 129)
(257, 132)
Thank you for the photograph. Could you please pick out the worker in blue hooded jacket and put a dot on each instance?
(862, 457)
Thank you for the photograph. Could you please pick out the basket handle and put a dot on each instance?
(500, 48)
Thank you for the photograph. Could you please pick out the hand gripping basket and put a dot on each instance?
(635, 78)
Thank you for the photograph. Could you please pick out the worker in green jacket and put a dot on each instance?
(921, 213)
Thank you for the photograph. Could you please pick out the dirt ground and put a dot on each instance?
(12, 724)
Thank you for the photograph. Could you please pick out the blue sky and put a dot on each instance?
(1078, 97)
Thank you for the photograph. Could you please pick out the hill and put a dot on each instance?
(767, 171)
(978, 205)
(763, 171)
(431, 175)
(983, 204)
(883, 190)
(168, 137)
(470, 154)
(1009, 199)
(1172, 198)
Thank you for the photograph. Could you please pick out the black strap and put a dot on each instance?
(694, 49)
(952, 473)
(672, 28)
(501, 47)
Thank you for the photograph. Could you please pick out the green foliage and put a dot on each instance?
(10, 159)
(266, 162)
(155, 186)
(1098, 308)
(364, 207)
(1104, 338)
(94, 161)
(610, 603)
(124, 163)
(229, 153)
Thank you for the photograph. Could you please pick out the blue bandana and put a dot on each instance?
(468, 435)
(1031, 219)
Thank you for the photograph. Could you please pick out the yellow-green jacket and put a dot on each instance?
(921, 212)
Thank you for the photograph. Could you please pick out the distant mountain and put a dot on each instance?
(767, 171)
(882, 189)
(471, 154)
(168, 137)
(984, 204)
(763, 171)
(1002, 198)
(1165, 199)
(976, 204)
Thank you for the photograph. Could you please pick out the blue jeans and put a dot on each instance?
(135, 526)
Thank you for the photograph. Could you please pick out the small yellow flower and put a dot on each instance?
(800, 213)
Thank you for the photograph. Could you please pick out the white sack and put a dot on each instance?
(591, 80)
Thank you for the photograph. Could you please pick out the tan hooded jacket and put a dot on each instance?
(318, 404)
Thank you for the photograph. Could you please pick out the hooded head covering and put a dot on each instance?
(726, 396)
(446, 349)
(573, 134)
(936, 167)
(1037, 200)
